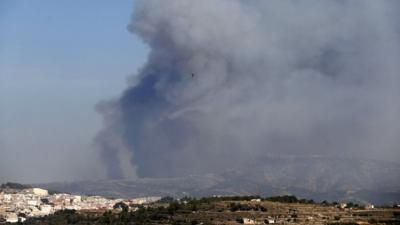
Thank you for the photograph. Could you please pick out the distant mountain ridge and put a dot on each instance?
(318, 178)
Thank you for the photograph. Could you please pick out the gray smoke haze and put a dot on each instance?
(229, 82)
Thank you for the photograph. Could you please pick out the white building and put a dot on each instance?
(11, 218)
(33, 202)
(249, 221)
(370, 206)
(7, 198)
(76, 199)
(46, 209)
(40, 192)
(269, 221)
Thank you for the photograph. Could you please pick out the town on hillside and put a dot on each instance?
(18, 202)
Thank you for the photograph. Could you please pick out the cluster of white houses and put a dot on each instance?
(17, 205)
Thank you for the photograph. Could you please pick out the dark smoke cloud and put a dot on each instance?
(229, 82)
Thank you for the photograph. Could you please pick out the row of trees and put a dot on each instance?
(233, 207)
(289, 199)
(283, 199)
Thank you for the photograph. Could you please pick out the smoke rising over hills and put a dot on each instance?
(229, 82)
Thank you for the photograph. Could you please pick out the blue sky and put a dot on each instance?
(58, 59)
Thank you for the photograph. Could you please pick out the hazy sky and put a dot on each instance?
(58, 59)
(271, 77)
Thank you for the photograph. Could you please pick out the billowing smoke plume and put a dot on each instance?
(228, 82)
